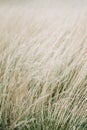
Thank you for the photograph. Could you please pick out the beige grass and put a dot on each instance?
(43, 66)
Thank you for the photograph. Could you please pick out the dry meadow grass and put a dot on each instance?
(43, 66)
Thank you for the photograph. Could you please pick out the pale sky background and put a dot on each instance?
(72, 3)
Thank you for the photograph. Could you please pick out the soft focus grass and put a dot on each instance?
(43, 67)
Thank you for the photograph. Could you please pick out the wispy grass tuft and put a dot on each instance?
(43, 67)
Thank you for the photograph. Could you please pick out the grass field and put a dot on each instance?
(43, 65)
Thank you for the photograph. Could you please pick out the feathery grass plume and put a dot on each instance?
(43, 66)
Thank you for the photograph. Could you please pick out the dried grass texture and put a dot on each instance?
(43, 67)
